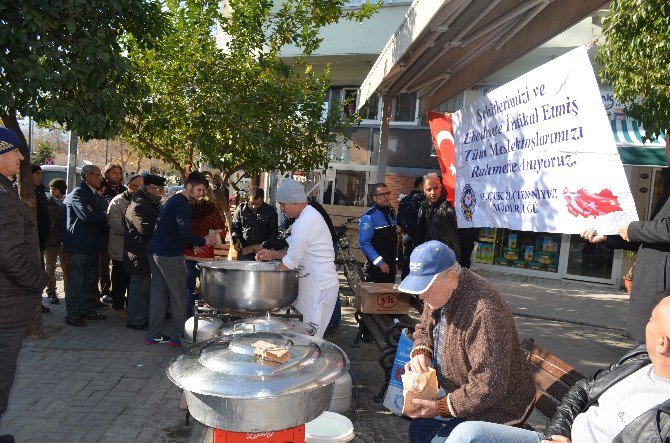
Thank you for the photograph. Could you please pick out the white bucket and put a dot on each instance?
(329, 427)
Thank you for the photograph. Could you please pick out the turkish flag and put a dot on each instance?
(442, 133)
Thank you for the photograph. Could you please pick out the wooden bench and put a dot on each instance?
(385, 330)
(552, 376)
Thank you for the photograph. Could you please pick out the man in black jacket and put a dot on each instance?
(437, 217)
(42, 207)
(140, 221)
(22, 277)
(255, 225)
(408, 222)
(627, 402)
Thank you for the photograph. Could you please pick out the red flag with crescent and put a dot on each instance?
(442, 133)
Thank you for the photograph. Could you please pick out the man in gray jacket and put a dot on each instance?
(22, 277)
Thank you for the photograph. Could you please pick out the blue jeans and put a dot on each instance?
(458, 430)
(192, 272)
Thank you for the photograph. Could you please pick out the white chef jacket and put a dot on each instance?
(310, 245)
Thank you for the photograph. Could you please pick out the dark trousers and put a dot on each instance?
(10, 345)
(377, 276)
(407, 248)
(192, 273)
(105, 259)
(168, 281)
(139, 293)
(120, 282)
(423, 430)
(81, 289)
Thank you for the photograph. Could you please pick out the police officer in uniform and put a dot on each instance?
(377, 237)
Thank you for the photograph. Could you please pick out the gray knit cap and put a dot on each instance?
(291, 191)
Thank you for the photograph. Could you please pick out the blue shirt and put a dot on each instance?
(173, 229)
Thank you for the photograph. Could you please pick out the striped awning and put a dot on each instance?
(627, 132)
(628, 135)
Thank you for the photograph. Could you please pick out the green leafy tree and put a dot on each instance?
(242, 107)
(65, 61)
(44, 151)
(635, 58)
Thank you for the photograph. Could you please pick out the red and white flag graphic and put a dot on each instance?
(584, 203)
(442, 133)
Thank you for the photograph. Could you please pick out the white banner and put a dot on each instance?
(538, 154)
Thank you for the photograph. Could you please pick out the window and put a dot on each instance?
(349, 100)
(404, 109)
(370, 110)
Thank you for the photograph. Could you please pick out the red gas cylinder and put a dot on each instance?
(291, 435)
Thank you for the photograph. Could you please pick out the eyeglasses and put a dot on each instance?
(383, 194)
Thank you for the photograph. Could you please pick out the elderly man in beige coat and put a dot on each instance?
(115, 218)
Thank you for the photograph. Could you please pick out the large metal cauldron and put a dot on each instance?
(227, 387)
(247, 286)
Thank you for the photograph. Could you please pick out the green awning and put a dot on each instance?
(635, 155)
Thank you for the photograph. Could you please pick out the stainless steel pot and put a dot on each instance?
(227, 387)
(267, 323)
(247, 286)
(208, 327)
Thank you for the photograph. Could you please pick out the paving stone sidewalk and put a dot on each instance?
(101, 383)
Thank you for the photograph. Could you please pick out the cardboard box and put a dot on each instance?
(381, 298)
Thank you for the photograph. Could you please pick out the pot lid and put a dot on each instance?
(267, 323)
(227, 367)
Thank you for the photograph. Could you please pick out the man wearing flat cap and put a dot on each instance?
(467, 334)
(22, 277)
(140, 221)
(115, 213)
(310, 246)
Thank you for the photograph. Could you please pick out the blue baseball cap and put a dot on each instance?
(8, 140)
(425, 263)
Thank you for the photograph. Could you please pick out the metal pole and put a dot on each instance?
(384, 137)
(72, 162)
(30, 135)
(106, 151)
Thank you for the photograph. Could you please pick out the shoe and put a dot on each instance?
(106, 299)
(121, 313)
(101, 305)
(137, 328)
(53, 299)
(45, 309)
(7, 438)
(93, 317)
(175, 343)
(76, 322)
(155, 341)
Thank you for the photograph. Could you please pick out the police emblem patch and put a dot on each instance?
(366, 226)
(468, 202)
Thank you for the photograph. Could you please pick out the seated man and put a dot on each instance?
(467, 334)
(628, 402)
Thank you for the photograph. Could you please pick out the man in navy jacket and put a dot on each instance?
(86, 216)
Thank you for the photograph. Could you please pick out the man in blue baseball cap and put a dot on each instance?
(467, 334)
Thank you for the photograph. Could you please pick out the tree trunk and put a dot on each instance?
(27, 194)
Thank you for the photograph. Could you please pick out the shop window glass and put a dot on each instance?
(348, 190)
(537, 251)
(589, 260)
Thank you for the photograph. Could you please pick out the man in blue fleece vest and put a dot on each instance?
(166, 258)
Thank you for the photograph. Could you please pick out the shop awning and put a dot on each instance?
(443, 47)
